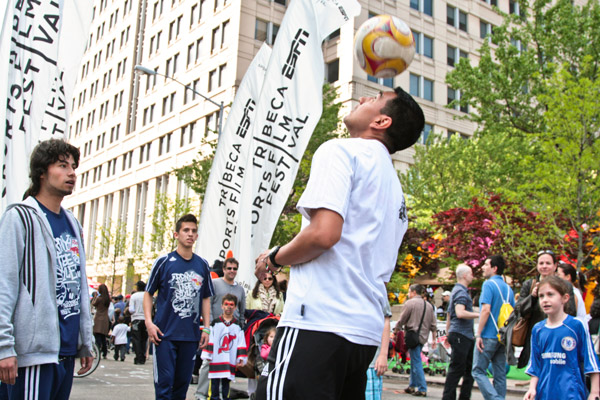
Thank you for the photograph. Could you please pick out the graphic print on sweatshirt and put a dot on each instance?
(68, 275)
(186, 287)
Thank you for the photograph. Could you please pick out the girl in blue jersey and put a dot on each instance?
(561, 350)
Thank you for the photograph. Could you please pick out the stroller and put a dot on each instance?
(258, 323)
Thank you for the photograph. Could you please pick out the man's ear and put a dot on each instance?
(382, 121)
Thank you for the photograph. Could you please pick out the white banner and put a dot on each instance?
(289, 108)
(220, 209)
(39, 56)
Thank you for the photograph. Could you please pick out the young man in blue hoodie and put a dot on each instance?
(45, 320)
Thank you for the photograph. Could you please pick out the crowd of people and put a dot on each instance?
(558, 352)
(332, 334)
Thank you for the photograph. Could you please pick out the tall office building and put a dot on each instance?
(134, 129)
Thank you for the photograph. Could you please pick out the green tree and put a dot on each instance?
(569, 186)
(532, 96)
(449, 173)
(504, 88)
(196, 174)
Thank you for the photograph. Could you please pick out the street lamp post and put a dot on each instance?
(152, 72)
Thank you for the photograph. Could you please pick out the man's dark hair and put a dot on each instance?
(498, 262)
(407, 121)
(185, 218)
(230, 297)
(415, 287)
(141, 286)
(231, 260)
(45, 154)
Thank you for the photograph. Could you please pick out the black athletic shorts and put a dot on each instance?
(306, 365)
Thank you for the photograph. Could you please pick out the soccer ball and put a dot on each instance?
(384, 46)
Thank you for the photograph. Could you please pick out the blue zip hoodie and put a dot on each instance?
(29, 326)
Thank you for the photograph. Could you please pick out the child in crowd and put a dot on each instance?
(119, 338)
(265, 348)
(560, 345)
(226, 349)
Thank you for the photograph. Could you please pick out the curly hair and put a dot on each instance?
(45, 154)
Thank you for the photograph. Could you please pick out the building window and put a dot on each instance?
(387, 82)
(491, 2)
(427, 129)
(421, 87)
(423, 44)
(213, 39)
(455, 95)
(453, 54)
(224, 30)
(424, 6)
(332, 71)
(211, 123)
(212, 80)
(198, 48)
(222, 72)
(513, 7)
(265, 31)
(485, 29)
(456, 18)
(164, 144)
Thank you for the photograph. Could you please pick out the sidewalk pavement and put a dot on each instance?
(513, 386)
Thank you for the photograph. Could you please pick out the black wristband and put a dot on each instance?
(272, 255)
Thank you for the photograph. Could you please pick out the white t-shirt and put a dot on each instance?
(120, 333)
(581, 311)
(342, 291)
(136, 306)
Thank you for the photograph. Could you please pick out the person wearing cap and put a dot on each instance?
(446, 300)
(119, 303)
(459, 325)
(443, 309)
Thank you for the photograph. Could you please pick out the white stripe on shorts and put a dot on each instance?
(276, 379)
(154, 365)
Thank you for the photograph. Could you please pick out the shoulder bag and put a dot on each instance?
(411, 337)
(519, 331)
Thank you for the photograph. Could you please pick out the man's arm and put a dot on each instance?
(323, 232)
(405, 316)
(153, 330)
(12, 236)
(206, 320)
(462, 313)
(483, 317)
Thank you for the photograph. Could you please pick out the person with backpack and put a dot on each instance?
(496, 303)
